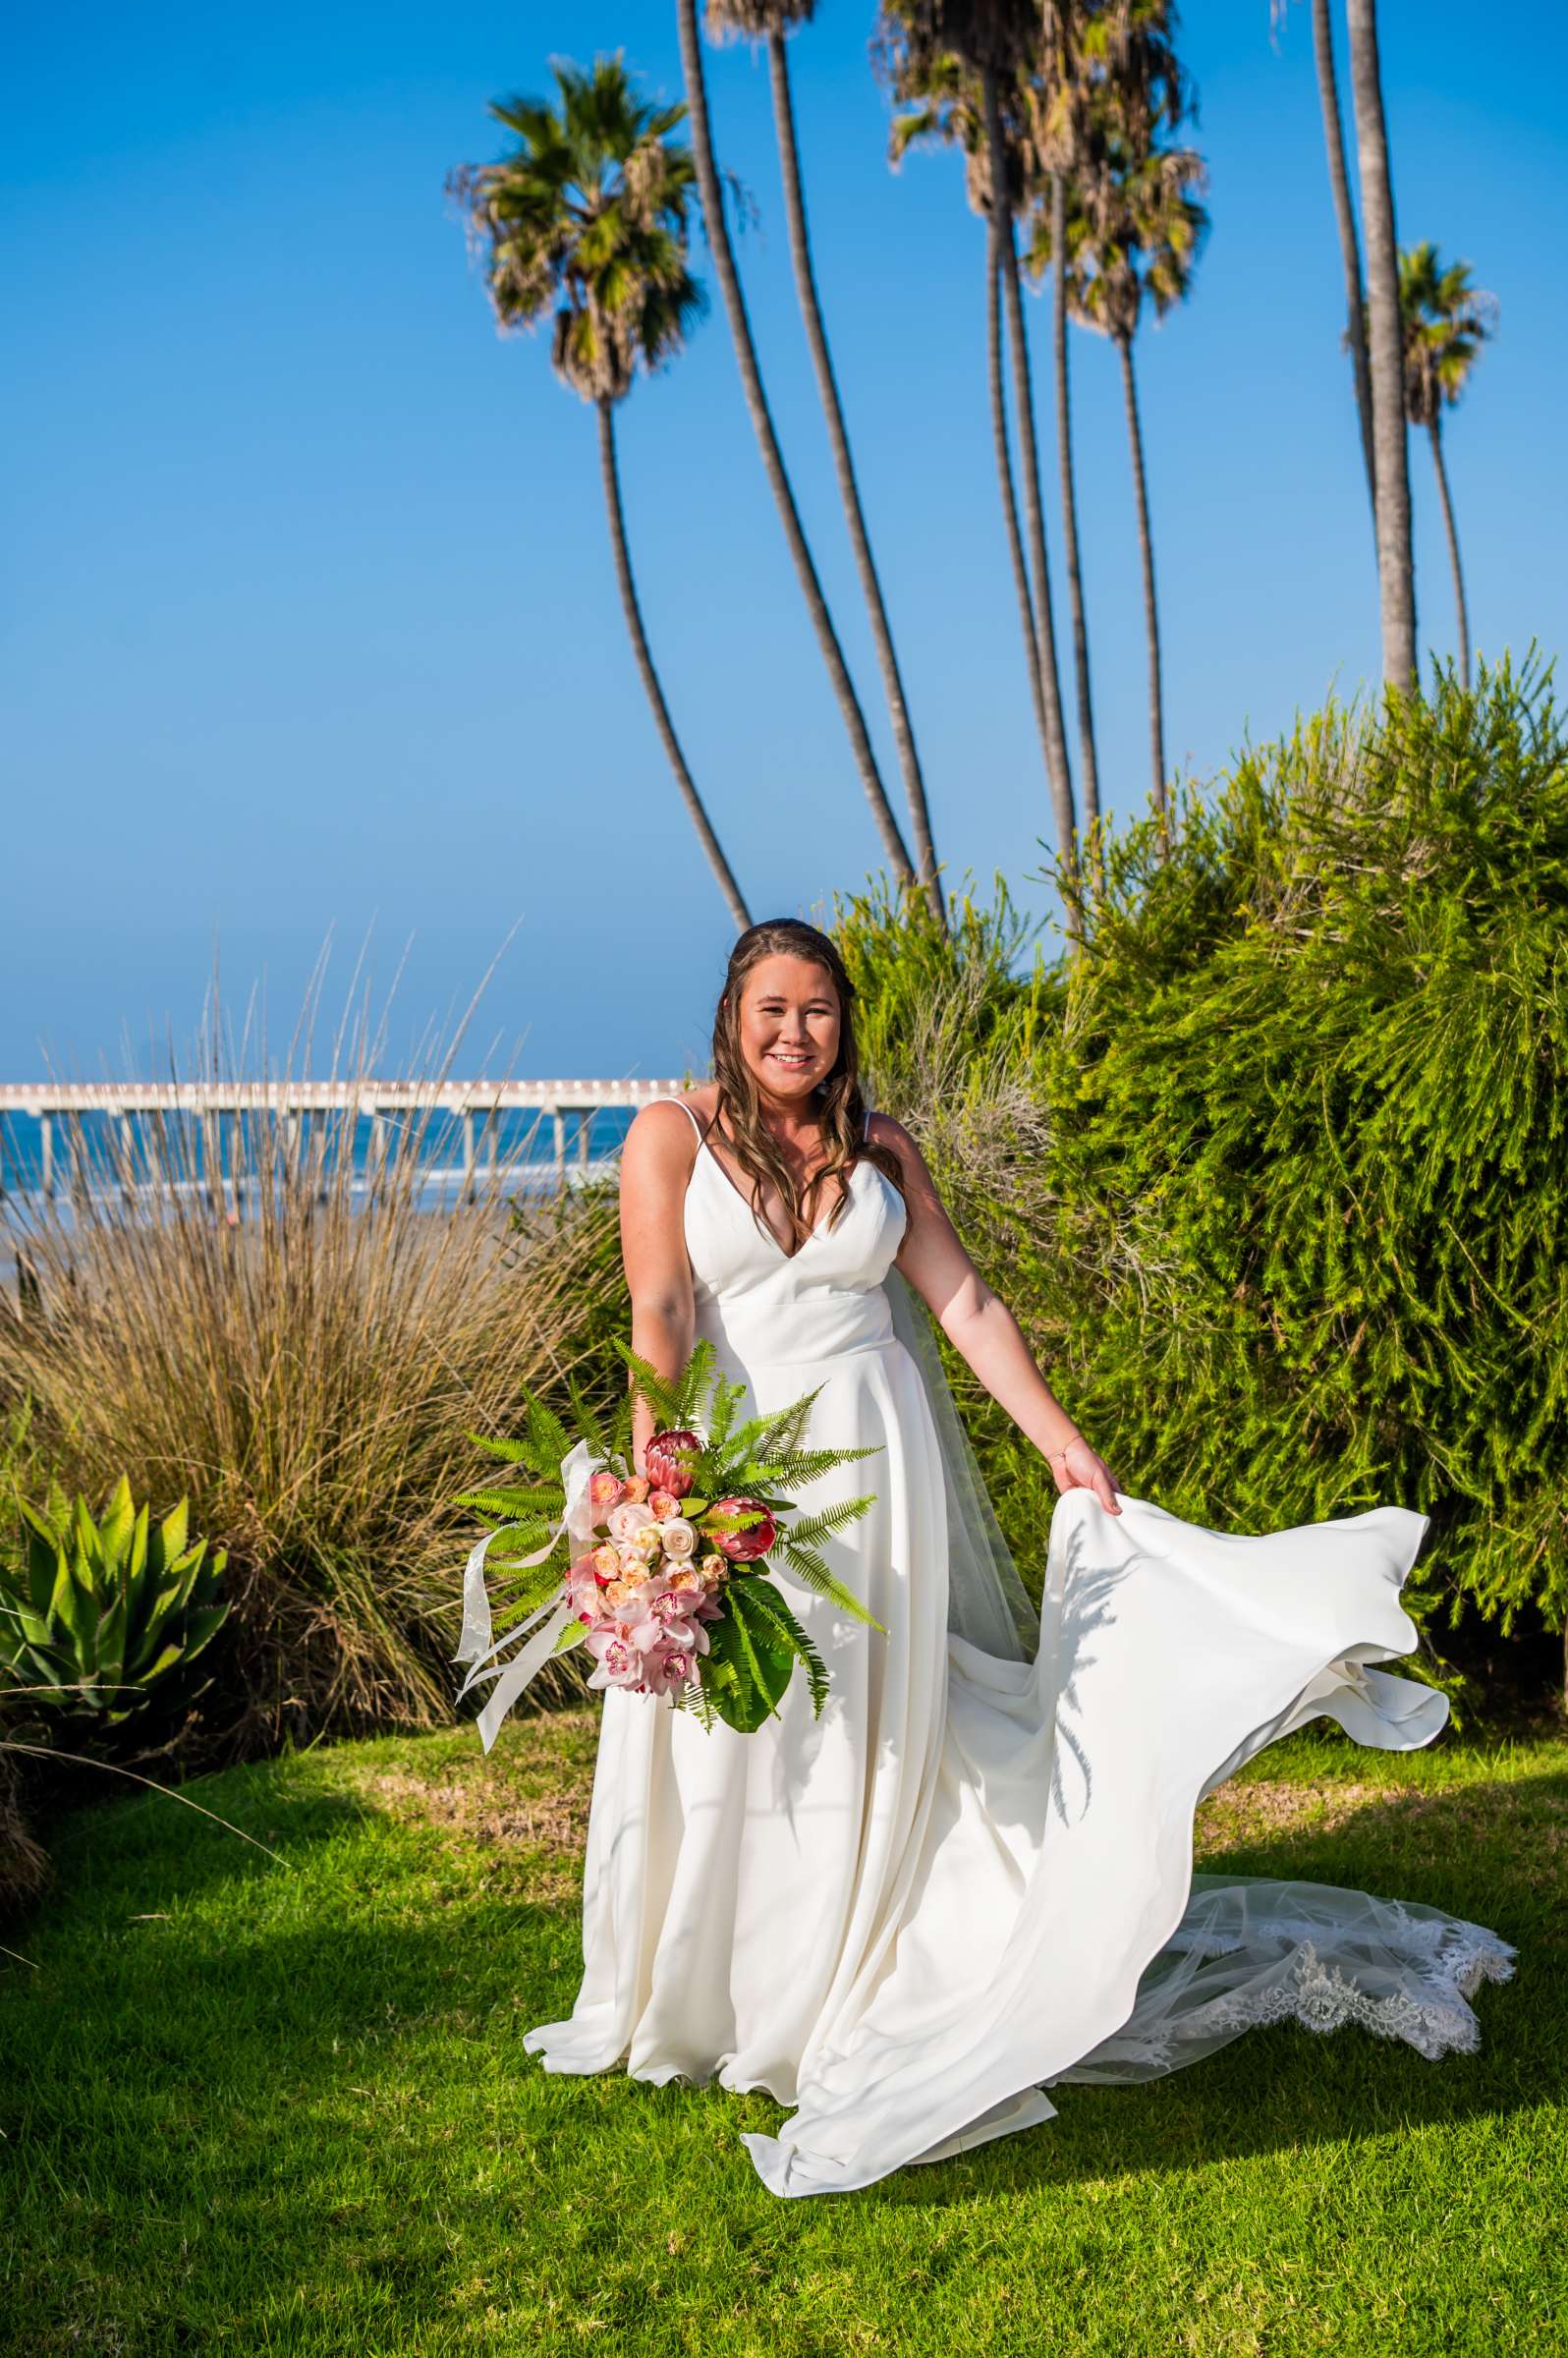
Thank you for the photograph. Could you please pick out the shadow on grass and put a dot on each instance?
(382, 1994)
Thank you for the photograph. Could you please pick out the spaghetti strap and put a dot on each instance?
(687, 1110)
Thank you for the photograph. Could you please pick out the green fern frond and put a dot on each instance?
(806, 1530)
(666, 1400)
(727, 1397)
(516, 1608)
(805, 1466)
(809, 1567)
(782, 1435)
(541, 1505)
(589, 1426)
(767, 1600)
(514, 1453)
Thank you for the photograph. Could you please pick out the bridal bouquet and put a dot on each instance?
(666, 1571)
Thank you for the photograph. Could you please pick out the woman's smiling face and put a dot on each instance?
(788, 1026)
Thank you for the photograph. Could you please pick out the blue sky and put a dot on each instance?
(310, 623)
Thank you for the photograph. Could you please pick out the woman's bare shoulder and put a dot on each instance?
(658, 1132)
(883, 1131)
(918, 1184)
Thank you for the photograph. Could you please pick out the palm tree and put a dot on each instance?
(1057, 100)
(956, 61)
(1138, 238)
(1396, 566)
(1446, 322)
(588, 216)
(718, 237)
(1349, 242)
(1064, 458)
(1134, 234)
(770, 21)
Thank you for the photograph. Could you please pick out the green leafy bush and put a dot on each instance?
(103, 1619)
(1272, 1171)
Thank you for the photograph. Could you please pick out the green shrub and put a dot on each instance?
(103, 1619)
(1272, 1171)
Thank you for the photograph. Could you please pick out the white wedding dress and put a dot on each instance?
(972, 1878)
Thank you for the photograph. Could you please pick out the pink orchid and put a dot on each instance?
(671, 1667)
(619, 1664)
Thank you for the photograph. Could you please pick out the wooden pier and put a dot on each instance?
(476, 1105)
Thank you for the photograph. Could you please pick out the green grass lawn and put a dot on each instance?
(283, 2107)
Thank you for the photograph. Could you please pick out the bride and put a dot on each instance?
(970, 1880)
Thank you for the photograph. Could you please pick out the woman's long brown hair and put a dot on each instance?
(839, 1104)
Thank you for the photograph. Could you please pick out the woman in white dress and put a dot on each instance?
(972, 1878)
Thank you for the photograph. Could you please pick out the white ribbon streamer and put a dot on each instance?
(478, 1645)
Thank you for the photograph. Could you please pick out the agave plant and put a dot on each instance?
(103, 1617)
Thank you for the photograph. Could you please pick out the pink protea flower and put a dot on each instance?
(605, 1490)
(671, 1459)
(745, 1546)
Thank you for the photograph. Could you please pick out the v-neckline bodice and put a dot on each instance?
(705, 1149)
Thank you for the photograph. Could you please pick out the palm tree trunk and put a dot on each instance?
(1064, 452)
(1453, 549)
(844, 468)
(718, 238)
(1004, 477)
(1349, 244)
(1396, 566)
(1146, 547)
(1060, 772)
(610, 474)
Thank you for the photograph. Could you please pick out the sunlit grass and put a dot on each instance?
(284, 2106)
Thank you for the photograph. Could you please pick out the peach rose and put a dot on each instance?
(605, 1490)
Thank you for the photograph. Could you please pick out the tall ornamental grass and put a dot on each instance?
(1273, 1169)
(302, 1360)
